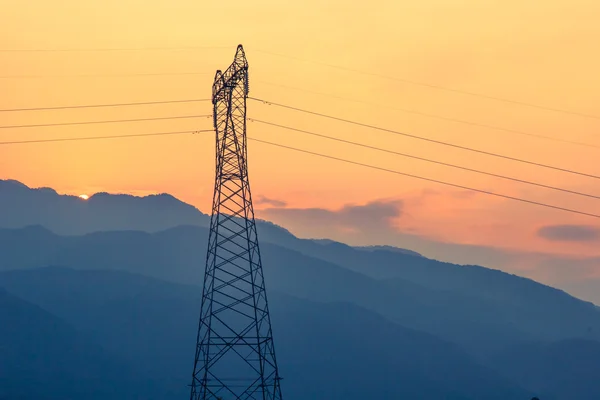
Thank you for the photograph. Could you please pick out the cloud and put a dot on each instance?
(378, 223)
(569, 233)
(270, 202)
(377, 215)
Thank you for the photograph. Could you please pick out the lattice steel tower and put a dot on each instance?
(235, 356)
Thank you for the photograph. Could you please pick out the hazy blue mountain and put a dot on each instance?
(484, 325)
(69, 215)
(177, 255)
(22, 206)
(44, 357)
(505, 298)
(389, 249)
(325, 351)
(484, 311)
(568, 369)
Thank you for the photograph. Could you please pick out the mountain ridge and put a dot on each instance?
(482, 311)
(316, 342)
(484, 324)
(43, 357)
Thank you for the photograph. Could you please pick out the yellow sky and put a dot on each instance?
(536, 52)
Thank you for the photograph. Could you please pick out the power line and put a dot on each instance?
(112, 49)
(307, 152)
(427, 159)
(103, 75)
(433, 86)
(103, 105)
(428, 179)
(428, 115)
(105, 121)
(427, 139)
(105, 137)
(340, 67)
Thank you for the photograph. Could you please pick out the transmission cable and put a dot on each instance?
(106, 137)
(428, 179)
(111, 49)
(425, 159)
(435, 116)
(312, 153)
(433, 86)
(340, 67)
(103, 105)
(105, 121)
(102, 75)
(426, 139)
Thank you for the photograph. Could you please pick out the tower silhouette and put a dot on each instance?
(235, 355)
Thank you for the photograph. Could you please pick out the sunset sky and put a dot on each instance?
(540, 53)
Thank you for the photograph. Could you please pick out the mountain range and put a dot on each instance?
(124, 273)
(151, 325)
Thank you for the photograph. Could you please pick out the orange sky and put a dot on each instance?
(537, 52)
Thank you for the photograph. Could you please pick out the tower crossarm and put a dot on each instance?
(226, 81)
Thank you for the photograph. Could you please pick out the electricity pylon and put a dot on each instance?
(235, 355)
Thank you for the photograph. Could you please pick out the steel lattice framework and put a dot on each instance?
(235, 355)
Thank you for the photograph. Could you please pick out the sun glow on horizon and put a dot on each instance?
(84, 196)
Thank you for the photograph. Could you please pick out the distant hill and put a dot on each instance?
(511, 311)
(390, 249)
(325, 351)
(43, 357)
(568, 369)
(69, 215)
(22, 206)
(522, 302)
(485, 312)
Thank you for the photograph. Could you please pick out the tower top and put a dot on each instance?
(240, 57)
(236, 73)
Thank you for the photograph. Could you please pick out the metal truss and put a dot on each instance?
(235, 355)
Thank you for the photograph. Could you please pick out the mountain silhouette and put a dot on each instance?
(71, 215)
(483, 323)
(23, 206)
(44, 357)
(567, 369)
(325, 351)
(498, 321)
